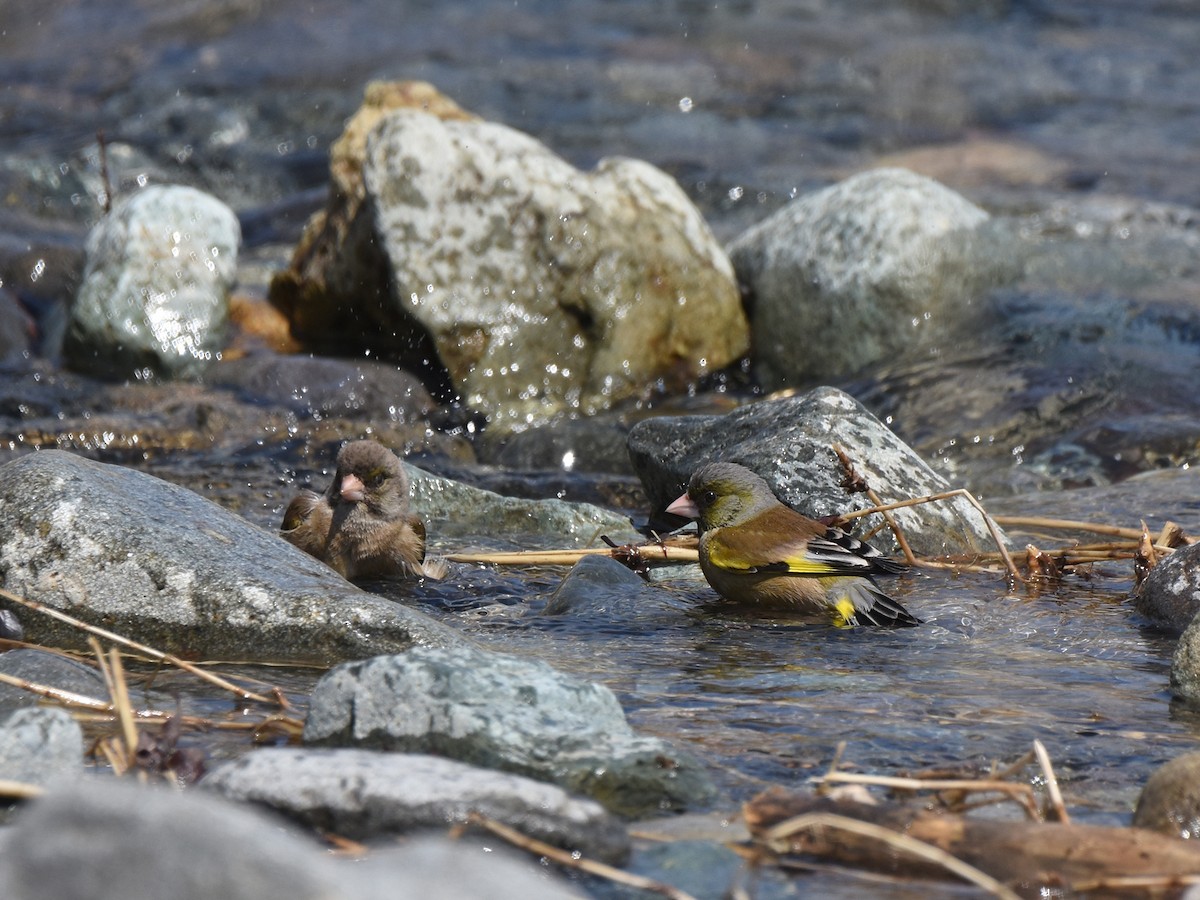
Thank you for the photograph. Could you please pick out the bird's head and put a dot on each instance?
(722, 494)
(371, 474)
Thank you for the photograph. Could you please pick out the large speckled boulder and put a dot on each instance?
(868, 269)
(162, 565)
(540, 288)
(155, 293)
(790, 442)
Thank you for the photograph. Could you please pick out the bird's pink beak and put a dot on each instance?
(684, 506)
(352, 489)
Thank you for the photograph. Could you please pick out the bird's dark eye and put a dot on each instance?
(708, 498)
(375, 477)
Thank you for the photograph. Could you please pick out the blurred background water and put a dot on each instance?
(1048, 109)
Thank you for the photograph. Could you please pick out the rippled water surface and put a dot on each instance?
(1020, 105)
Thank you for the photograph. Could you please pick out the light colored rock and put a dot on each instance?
(155, 293)
(113, 839)
(544, 287)
(863, 271)
(362, 794)
(40, 746)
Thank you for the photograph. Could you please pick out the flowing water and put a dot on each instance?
(747, 104)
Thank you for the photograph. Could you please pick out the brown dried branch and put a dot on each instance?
(168, 658)
(565, 858)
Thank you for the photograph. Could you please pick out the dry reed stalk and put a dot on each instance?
(778, 838)
(168, 658)
(566, 858)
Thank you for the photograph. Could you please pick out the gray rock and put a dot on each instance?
(1170, 595)
(155, 293)
(1170, 800)
(319, 386)
(789, 442)
(40, 746)
(879, 265)
(507, 713)
(362, 794)
(453, 508)
(50, 669)
(162, 565)
(1185, 663)
(542, 287)
(598, 589)
(112, 839)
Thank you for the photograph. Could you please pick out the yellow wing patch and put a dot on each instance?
(749, 559)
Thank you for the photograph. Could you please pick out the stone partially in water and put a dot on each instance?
(790, 442)
(164, 566)
(507, 713)
(1170, 801)
(361, 794)
(155, 294)
(539, 287)
(859, 273)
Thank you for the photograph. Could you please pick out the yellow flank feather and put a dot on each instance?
(844, 611)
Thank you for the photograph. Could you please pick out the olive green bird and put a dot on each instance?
(757, 551)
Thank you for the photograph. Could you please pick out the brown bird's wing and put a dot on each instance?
(306, 523)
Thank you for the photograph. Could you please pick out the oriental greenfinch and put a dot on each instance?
(755, 550)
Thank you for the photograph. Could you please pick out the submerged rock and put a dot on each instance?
(540, 288)
(51, 669)
(790, 442)
(507, 713)
(361, 794)
(164, 566)
(155, 294)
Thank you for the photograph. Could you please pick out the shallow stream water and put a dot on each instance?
(1020, 104)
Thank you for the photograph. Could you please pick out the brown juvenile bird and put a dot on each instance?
(756, 550)
(361, 526)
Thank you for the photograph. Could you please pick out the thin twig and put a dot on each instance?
(53, 613)
(652, 552)
(1009, 565)
(1021, 793)
(562, 857)
(69, 698)
(1055, 795)
(20, 790)
(778, 837)
(122, 706)
(852, 474)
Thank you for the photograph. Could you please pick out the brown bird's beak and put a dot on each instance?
(352, 489)
(684, 506)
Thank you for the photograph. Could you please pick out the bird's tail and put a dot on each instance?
(860, 601)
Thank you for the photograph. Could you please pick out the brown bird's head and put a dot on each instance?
(371, 474)
(723, 494)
